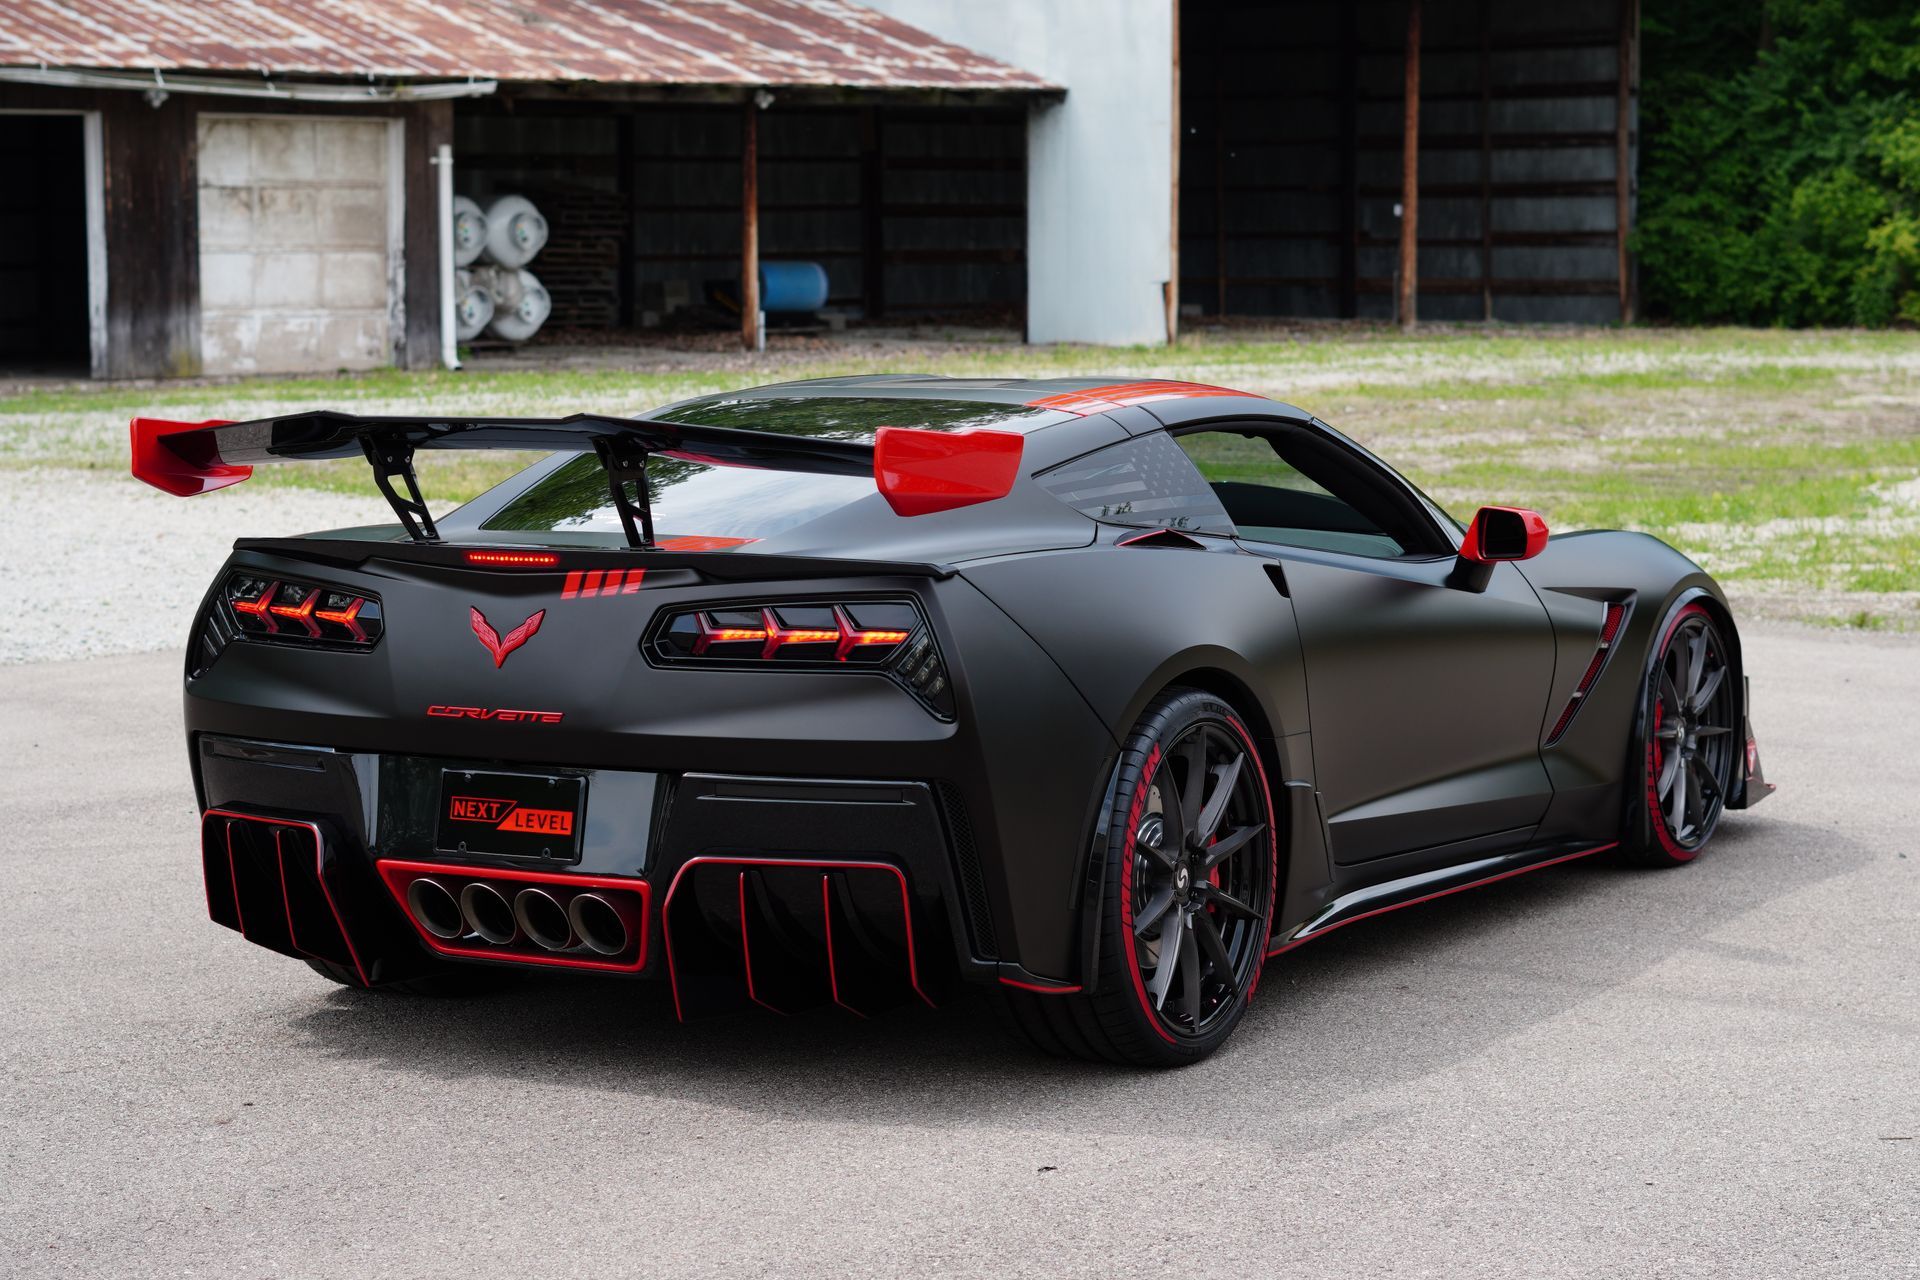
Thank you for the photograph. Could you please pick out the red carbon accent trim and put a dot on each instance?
(746, 951)
(798, 864)
(1443, 893)
(1470, 548)
(496, 645)
(1609, 629)
(1061, 989)
(1655, 818)
(1120, 394)
(833, 969)
(702, 542)
(319, 853)
(582, 583)
(921, 472)
(514, 559)
(175, 459)
(398, 874)
(1126, 893)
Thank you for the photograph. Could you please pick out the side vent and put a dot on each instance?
(1609, 631)
(966, 855)
(1163, 538)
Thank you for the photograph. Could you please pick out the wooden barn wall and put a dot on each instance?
(1291, 158)
(912, 211)
(153, 224)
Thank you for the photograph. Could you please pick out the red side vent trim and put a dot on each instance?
(181, 458)
(921, 472)
(266, 878)
(1609, 631)
(1120, 394)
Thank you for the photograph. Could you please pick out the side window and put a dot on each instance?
(1290, 487)
(1145, 481)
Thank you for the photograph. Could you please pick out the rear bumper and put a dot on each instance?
(780, 891)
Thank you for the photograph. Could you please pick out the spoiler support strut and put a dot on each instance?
(626, 465)
(390, 455)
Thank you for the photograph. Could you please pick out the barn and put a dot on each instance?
(226, 189)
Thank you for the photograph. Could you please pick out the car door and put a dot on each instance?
(1425, 699)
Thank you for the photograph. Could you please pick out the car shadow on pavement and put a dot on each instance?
(1368, 1007)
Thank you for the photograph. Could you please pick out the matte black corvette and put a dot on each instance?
(837, 692)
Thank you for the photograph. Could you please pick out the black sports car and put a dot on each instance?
(837, 692)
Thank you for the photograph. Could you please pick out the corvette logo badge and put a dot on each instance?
(498, 647)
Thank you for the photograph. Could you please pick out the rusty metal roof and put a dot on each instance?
(654, 42)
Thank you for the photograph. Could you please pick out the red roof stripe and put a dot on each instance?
(1120, 394)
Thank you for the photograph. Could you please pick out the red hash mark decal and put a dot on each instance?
(582, 583)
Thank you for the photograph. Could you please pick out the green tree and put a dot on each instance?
(1780, 176)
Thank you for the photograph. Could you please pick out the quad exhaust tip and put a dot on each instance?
(487, 913)
(597, 924)
(433, 905)
(543, 919)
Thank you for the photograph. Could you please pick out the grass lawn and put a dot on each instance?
(1788, 463)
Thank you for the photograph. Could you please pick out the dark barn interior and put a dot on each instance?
(43, 244)
(1293, 116)
(915, 212)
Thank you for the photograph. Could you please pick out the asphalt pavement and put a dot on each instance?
(1590, 1071)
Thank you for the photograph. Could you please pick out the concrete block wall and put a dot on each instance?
(295, 252)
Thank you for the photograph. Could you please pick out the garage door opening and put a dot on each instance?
(43, 245)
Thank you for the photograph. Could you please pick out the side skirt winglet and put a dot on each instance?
(1375, 900)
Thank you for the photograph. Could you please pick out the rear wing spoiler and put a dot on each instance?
(918, 471)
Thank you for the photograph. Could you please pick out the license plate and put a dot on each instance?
(518, 815)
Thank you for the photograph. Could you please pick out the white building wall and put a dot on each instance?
(1099, 164)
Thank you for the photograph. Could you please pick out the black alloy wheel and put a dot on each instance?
(1692, 740)
(1190, 874)
(1200, 879)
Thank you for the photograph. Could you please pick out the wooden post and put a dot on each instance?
(750, 335)
(1219, 171)
(873, 246)
(1486, 162)
(1349, 75)
(1410, 178)
(1623, 158)
(1172, 298)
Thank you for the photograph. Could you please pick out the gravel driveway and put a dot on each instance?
(97, 562)
(1590, 1071)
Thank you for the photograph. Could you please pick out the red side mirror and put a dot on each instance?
(1504, 533)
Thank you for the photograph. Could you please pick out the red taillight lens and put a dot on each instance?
(284, 611)
(888, 636)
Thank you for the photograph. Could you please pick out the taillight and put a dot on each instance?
(885, 636)
(289, 611)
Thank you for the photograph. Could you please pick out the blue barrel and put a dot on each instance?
(792, 286)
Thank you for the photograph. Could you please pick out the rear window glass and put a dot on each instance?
(690, 500)
(702, 505)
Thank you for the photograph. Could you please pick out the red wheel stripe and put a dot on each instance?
(1656, 818)
(1126, 892)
